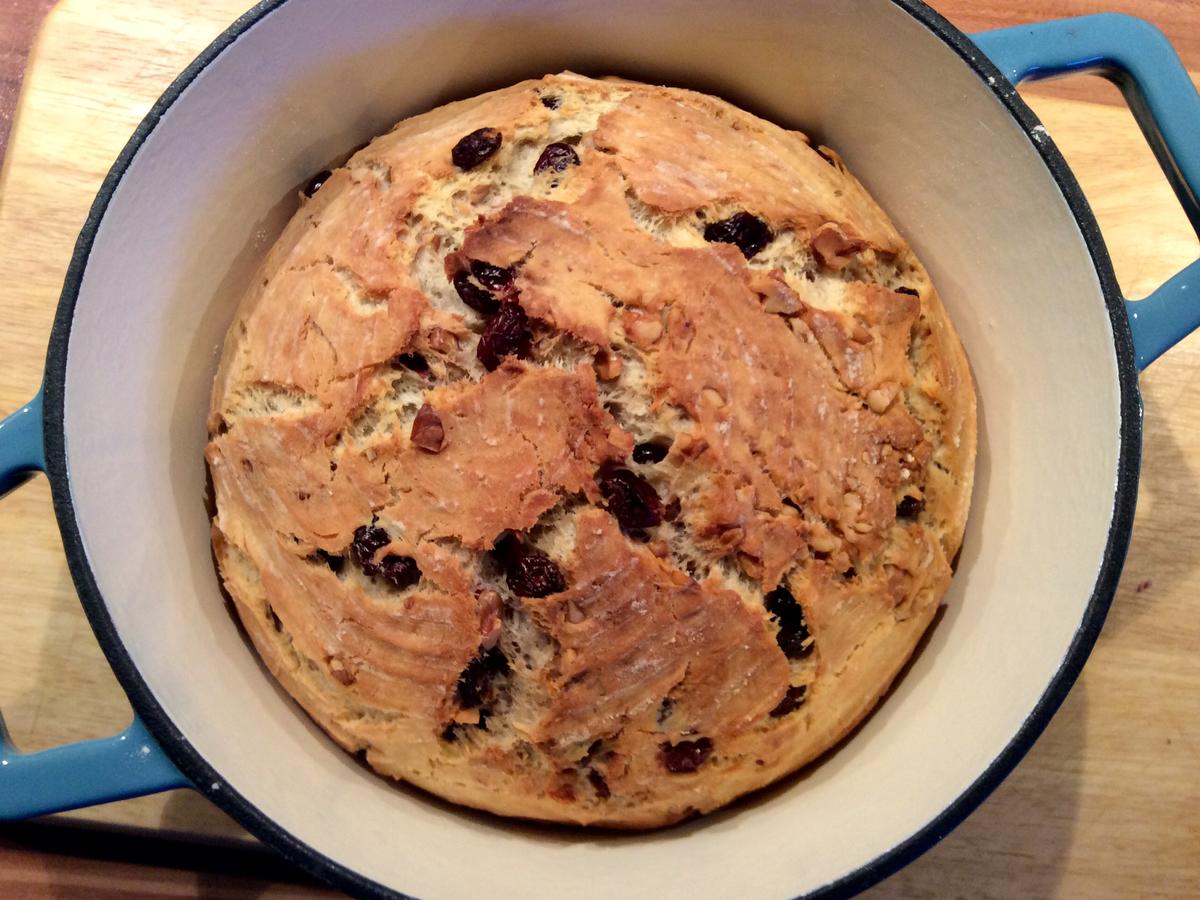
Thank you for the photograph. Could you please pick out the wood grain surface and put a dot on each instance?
(1107, 804)
(19, 21)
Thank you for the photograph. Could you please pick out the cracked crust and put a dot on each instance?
(810, 414)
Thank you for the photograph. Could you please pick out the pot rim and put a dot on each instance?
(312, 860)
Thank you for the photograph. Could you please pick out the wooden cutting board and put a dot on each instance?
(1106, 804)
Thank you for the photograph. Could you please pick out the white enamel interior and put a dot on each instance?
(211, 187)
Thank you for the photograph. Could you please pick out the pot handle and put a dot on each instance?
(129, 764)
(1139, 59)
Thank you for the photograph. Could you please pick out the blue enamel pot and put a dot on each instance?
(929, 120)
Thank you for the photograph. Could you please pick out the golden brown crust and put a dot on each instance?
(367, 468)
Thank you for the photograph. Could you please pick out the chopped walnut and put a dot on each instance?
(338, 670)
(833, 249)
(489, 618)
(608, 365)
(427, 431)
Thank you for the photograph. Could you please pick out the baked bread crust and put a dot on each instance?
(532, 633)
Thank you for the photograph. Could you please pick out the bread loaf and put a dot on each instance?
(589, 451)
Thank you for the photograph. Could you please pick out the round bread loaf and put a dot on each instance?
(589, 451)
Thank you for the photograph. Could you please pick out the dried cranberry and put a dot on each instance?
(506, 334)
(907, 290)
(794, 641)
(314, 183)
(528, 571)
(413, 361)
(367, 540)
(551, 102)
(651, 452)
(557, 157)
(336, 563)
(475, 682)
(686, 756)
(792, 700)
(599, 784)
(750, 233)
(909, 507)
(399, 571)
(793, 638)
(474, 296)
(479, 145)
(629, 497)
(494, 278)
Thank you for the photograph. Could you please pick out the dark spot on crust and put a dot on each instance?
(908, 290)
(476, 147)
(314, 183)
(748, 232)
(909, 507)
(793, 637)
(685, 756)
(629, 497)
(507, 334)
(598, 784)
(557, 157)
(792, 701)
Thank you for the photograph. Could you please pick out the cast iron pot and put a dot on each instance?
(925, 116)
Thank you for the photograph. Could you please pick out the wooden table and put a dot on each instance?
(1107, 803)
